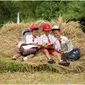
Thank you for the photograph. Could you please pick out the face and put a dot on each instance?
(56, 33)
(35, 32)
(47, 32)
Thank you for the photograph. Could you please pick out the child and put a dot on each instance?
(48, 41)
(30, 47)
(64, 44)
(25, 32)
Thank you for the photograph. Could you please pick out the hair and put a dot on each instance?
(35, 29)
(56, 29)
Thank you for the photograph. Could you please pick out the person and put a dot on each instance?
(25, 32)
(49, 41)
(30, 44)
(65, 45)
(33, 40)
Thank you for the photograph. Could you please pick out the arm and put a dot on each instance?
(70, 46)
(67, 45)
(58, 46)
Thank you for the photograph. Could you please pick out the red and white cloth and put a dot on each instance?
(50, 39)
(32, 39)
(47, 39)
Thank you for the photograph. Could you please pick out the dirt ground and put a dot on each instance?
(41, 78)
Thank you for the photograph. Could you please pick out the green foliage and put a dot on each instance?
(69, 10)
(8, 65)
(74, 11)
(41, 9)
(47, 10)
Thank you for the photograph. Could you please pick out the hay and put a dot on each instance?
(7, 65)
(75, 34)
(10, 34)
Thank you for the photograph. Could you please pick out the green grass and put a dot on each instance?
(8, 65)
(41, 78)
(16, 72)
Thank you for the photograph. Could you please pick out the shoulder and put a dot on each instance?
(54, 39)
(30, 36)
(42, 36)
(37, 36)
(64, 37)
(51, 36)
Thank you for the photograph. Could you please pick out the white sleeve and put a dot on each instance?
(70, 46)
(28, 39)
(20, 43)
(40, 40)
(57, 45)
(54, 39)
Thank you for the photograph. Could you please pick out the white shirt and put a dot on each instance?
(29, 39)
(66, 45)
(24, 36)
(32, 39)
(44, 39)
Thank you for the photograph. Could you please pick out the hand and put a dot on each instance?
(61, 51)
(37, 45)
(49, 45)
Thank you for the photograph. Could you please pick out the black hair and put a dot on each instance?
(35, 29)
(56, 29)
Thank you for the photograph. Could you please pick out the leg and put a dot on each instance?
(65, 56)
(50, 60)
(17, 55)
(61, 62)
(47, 53)
(58, 55)
(28, 56)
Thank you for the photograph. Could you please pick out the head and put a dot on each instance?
(56, 31)
(46, 28)
(34, 29)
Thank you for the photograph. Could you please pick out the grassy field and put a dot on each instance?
(37, 70)
(41, 78)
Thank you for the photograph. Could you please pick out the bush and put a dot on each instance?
(47, 10)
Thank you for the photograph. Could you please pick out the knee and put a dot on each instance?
(56, 53)
(45, 51)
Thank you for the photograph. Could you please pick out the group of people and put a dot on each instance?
(52, 42)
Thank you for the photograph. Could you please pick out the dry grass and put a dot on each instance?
(41, 78)
(10, 34)
(37, 65)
